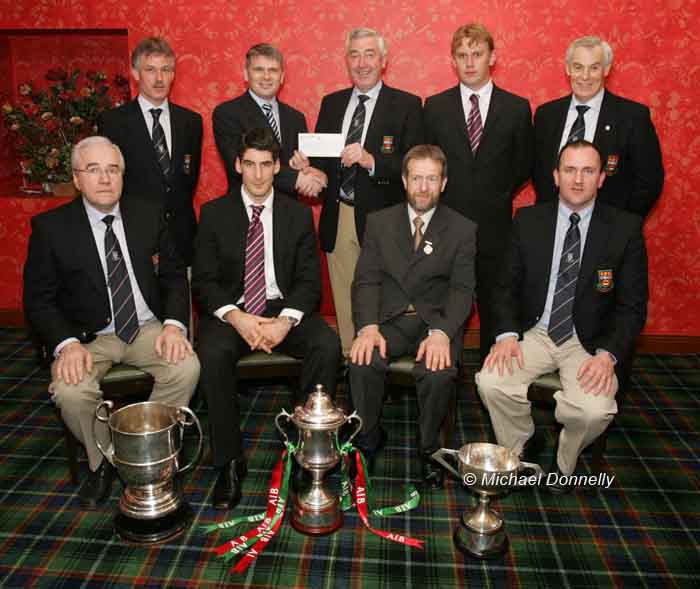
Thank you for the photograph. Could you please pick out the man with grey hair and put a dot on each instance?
(161, 141)
(103, 285)
(620, 128)
(380, 124)
(259, 107)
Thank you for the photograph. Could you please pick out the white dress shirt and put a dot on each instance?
(163, 119)
(425, 216)
(484, 93)
(272, 291)
(275, 108)
(590, 117)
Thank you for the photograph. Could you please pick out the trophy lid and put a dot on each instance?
(319, 412)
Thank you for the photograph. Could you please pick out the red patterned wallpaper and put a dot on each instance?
(656, 57)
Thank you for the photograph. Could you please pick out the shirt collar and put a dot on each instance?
(584, 214)
(249, 202)
(95, 217)
(484, 93)
(260, 101)
(594, 102)
(146, 107)
(372, 92)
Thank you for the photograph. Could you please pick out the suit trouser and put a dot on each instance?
(434, 390)
(220, 347)
(341, 270)
(584, 416)
(174, 384)
(488, 268)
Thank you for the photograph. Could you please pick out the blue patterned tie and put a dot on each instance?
(357, 125)
(561, 320)
(578, 129)
(267, 109)
(159, 144)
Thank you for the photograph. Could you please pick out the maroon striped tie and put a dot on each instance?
(474, 126)
(254, 279)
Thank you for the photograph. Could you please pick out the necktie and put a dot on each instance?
(159, 144)
(418, 235)
(561, 322)
(357, 124)
(474, 126)
(578, 129)
(126, 323)
(267, 109)
(254, 278)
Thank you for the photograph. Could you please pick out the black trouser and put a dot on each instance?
(220, 347)
(488, 269)
(434, 390)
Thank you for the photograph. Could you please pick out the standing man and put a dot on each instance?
(161, 142)
(380, 124)
(411, 295)
(101, 274)
(572, 297)
(486, 134)
(257, 275)
(622, 130)
(259, 108)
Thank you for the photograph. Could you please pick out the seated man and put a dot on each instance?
(257, 276)
(573, 297)
(411, 294)
(99, 277)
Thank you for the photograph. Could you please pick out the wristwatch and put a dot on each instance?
(292, 322)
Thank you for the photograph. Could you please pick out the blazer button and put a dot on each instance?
(168, 214)
(108, 320)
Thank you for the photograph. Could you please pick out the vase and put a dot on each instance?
(63, 189)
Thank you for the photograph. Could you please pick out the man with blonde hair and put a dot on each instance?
(620, 128)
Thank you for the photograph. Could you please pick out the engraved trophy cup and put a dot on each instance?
(487, 469)
(316, 509)
(146, 439)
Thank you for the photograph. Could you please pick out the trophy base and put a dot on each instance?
(318, 522)
(480, 545)
(155, 531)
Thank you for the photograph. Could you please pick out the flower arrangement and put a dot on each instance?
(46, 123)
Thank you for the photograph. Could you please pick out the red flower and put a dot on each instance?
(51, 125)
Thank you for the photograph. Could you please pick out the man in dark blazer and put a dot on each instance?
(101, 274)
(573, 297)
(411, 295)
(486, 134)
(161, 142)
(622, 130)
(257, 276)
(367, 176)
(259, 107)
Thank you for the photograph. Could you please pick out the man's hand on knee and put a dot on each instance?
(72, 364)
(436, 349)
(596, 374)
(172, 345)
(368, 338)
(502, 354)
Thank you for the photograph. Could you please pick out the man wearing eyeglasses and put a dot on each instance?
(103, 284)
(161, 142)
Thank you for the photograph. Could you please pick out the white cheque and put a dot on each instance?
(321, 144)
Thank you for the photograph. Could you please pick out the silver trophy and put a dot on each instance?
(316, 509)
(487, 469)
(146, 442)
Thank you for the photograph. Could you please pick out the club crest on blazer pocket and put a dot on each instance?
(604, 280)
(155, 260)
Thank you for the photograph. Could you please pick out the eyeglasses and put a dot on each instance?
(97, 171)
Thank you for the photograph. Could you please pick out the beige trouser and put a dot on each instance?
(584, 416)
(174, 384)
(341, 269)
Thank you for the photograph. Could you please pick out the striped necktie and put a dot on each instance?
(159, 144)
(561, 320)
(474, 126)
(254, 294)
(126, 322)
(267, 109)
(578, 129)
(357, 125)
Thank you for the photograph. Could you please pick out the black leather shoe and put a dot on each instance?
(558, 485)
(531, 453)
(433, 475)
(98, 486)
(227, 491)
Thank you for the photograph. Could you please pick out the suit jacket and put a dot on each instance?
(219, 258)
(234, 117)
(605, 318)
(396, 126)
(390, 276)
(627, 139)
(65, 289)
(482, 187)
(143, 178)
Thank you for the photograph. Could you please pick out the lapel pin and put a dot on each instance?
(607, 127)
(428, 248)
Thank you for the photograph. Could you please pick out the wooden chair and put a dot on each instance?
(542, 391)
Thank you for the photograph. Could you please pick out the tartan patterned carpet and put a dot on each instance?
(644, 531)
